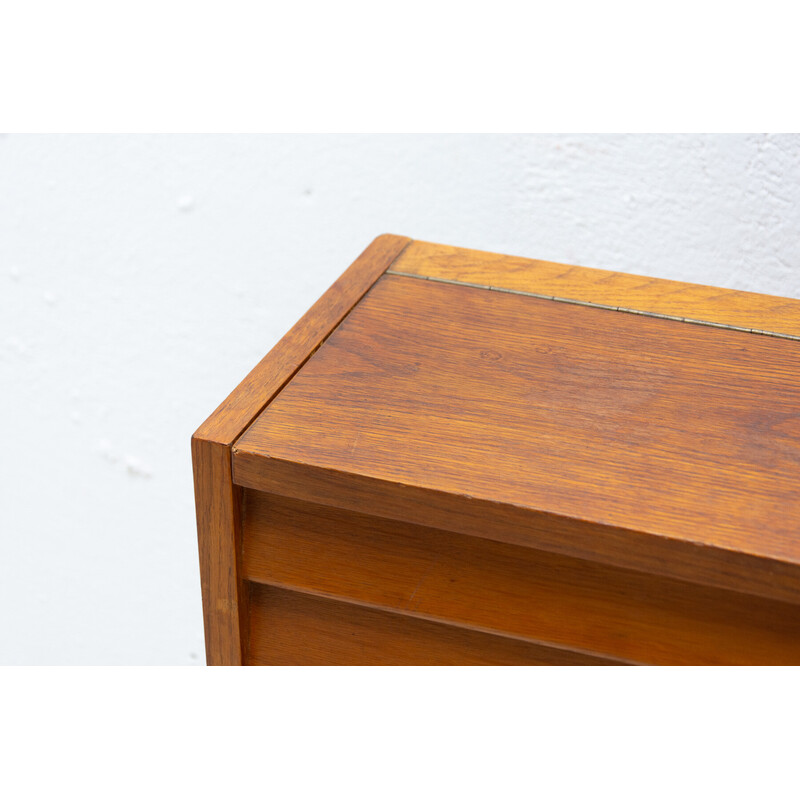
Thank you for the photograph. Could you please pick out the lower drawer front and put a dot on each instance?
(292, 628)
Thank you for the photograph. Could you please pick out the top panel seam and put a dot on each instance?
(572, 301)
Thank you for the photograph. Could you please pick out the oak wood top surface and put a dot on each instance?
(648, 424)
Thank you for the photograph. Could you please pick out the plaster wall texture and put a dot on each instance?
(141, 277)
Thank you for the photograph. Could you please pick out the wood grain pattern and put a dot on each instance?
(217, 499)
(509, 590)
(628, 486)
(604, 287)
(289, 628)
(620, 444)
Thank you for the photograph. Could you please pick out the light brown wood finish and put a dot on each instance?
(515, 591)
(628, 485)
(604, 287)
(217, 500)
(289, 628)
(608, 436)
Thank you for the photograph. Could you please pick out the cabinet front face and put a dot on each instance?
(500, 461)
(335, 586)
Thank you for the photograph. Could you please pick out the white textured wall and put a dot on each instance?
(142, 277)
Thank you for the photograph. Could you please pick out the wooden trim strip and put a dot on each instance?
(750, 311)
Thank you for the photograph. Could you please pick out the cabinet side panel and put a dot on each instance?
(218, 504)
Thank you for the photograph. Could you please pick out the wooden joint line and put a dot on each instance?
(571, 301)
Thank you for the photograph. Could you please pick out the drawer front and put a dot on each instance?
(406, 575)
(291, 628)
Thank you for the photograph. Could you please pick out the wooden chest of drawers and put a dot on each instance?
(465, 458)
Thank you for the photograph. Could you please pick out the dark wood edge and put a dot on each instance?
(217, 499)
(637, 550)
